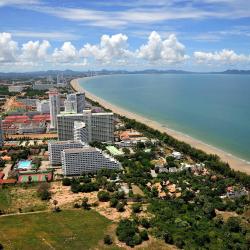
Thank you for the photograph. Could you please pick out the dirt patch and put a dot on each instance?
(225, 215)
(66, 198)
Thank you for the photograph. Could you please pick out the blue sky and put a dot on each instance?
(198, 35)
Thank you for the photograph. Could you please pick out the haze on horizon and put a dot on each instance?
(204, 35)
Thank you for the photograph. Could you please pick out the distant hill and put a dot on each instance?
(236, 71)
(72, 73)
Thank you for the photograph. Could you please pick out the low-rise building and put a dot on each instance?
(16, 88)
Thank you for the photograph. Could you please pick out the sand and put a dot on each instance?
(234, 162)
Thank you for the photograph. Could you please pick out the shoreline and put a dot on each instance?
(234, 162)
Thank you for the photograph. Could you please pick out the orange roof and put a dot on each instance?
(6, 158)
(8, 181)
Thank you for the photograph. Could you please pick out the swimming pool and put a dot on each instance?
(24, 164)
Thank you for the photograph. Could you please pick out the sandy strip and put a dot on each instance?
(234, 162)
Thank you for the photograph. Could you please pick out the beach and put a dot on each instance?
(234, 162)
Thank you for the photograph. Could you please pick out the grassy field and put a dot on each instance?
(25, 198)
(69, 229)
(5, 199)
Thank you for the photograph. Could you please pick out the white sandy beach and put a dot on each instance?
(233, 161)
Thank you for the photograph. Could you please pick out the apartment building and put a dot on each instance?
(99, 126)
(56, 147)
(85, 160)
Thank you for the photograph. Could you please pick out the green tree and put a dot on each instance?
(136, 208)
(107, 240)
(103, 196)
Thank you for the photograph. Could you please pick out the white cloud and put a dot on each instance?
(55, 35)
(8, 48)
(17, 2)
(111, 48)
(67, 53)
(223, 56)
(34, 51)
(167, 51)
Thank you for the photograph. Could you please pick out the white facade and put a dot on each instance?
(1, 133)
(43, 106)
(65, 125)
(16, 88)
(43, 86)
(54, 105)
(75, 103)
(56, 147)
(102, 125)
(32, 128)
(99, 126)
(85, 160)
(80, 132)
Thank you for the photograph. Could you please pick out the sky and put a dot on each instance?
(194, 35)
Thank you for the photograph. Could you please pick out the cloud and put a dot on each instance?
(167, 51)
(110, 48)
(17, 2)
(224, 56)
(8, 48)
(56, 36)
(34, 51)
(67, 53)
(138, 12)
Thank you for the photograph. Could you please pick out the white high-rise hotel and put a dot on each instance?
(75, 103)
(86, 159)
(76, 127)
(54, 105)
(56, 147)
(99, 126)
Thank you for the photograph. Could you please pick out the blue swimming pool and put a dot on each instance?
(24, 164)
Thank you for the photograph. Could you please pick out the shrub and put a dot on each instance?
(127, 232)
(120, 207)
(233, 224)
(136, 208)
(85, 204)
(145, 223)
(119, 195)
(103, 196)
(43, 191)
(168, 238)
(113, 202)
(76, 205)
(107, 240)
(66, 182)
(144, 235)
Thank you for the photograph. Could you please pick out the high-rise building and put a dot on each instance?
(65, 124)
(75, 103)
(56, 147)
(1, 133)
(99, 126)
(43, 106)
(102, 126)
(54, 105)
(85, 160)
(80, 132)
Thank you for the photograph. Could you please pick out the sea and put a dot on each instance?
(213, 108)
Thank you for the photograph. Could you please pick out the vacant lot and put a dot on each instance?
(69, 229)
(24, 198)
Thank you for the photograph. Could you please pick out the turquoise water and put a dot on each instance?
(214, 108)
(24, 164)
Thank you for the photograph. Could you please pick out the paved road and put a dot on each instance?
(14, 214)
